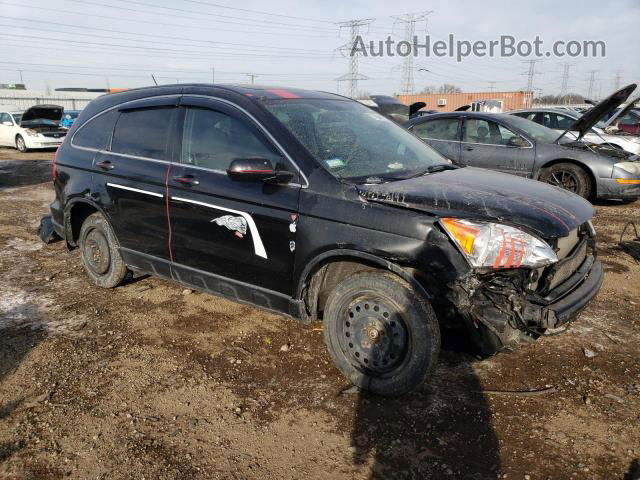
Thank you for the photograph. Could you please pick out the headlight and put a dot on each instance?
(31, 132)
(498, 246)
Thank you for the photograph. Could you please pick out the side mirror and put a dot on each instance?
(7, 123)
(257, 170)
(517, 142)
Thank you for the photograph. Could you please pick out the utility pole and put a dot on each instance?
(564, 89)
(407, 83)
(592, 81)
(253, 77)
(617, 79)
(352, 76)
(21, 80)
(213, 75)
(531, 73)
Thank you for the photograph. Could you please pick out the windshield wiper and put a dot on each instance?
(420, 173)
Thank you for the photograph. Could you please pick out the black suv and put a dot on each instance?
(314, 206)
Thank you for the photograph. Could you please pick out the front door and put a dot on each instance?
(7, 132)
(233, 237)
(488, 144)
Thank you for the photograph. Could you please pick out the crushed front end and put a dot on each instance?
(506, 306)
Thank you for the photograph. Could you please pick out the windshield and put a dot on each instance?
(353, 142)
(17, 117)
(536, 131)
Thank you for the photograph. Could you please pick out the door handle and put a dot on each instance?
(468, 149)
(188, 180)
(105, 165)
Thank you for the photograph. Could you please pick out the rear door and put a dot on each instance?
(230, 236)
(443, 134)
(130, 177)
(488, 144)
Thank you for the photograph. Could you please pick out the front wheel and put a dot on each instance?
(380, 333)
(21, 145)
(99, 252)
(568, 176)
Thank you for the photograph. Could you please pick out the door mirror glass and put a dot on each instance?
(517, 142)
(258, 170)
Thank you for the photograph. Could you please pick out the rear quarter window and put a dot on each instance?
(96, 133)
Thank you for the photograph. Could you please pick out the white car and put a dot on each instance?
(35, 128)
(561, 120)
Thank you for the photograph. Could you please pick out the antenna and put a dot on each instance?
(154, 79)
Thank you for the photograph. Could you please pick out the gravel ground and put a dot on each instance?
(151, 381)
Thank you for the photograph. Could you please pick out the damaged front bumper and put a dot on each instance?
(519, 304)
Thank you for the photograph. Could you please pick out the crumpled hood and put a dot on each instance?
(42, 112)
(478, 194)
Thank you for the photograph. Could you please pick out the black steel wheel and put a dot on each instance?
(99, 252)
(381, 334)
(570, 177)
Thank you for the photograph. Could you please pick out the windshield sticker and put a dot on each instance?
(395, 166)
(334, 163)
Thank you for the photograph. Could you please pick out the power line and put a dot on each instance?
(253, 46)
(352, 76)
(191, 26)
(200, 13)
(407, 85)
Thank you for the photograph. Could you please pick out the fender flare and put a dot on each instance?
(68, 232)
(346, 254)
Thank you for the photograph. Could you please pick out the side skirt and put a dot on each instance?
(214, 284)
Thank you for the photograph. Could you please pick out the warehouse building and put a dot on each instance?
(479, 101)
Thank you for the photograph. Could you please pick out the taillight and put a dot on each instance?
(53, 170)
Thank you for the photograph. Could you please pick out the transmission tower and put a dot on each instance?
(492, 85)
(407, 84)
(592, 81)
(617, 79)
(352, 76)
(564, 89)
(530, 74)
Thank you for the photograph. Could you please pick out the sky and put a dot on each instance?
(296, 43)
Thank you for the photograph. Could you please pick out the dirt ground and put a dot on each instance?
(149, 381)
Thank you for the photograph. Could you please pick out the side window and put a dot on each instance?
(96, 133)
(439, 129)
(528, 115)
(4, 117)
(486, 132)
(143, 133)
(213, 139)
(564, 122)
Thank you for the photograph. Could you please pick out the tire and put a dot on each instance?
(99, 252)
(570, 177)
(21, 145)
(381, 334)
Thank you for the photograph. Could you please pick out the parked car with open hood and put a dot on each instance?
(392, 108)
(563, 120)
(35, 128)
(515, 145)
(313, 205)
(624, 120)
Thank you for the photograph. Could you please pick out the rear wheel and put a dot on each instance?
(21, 145)
(380, 333)
(568, 176)
(99, 252)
